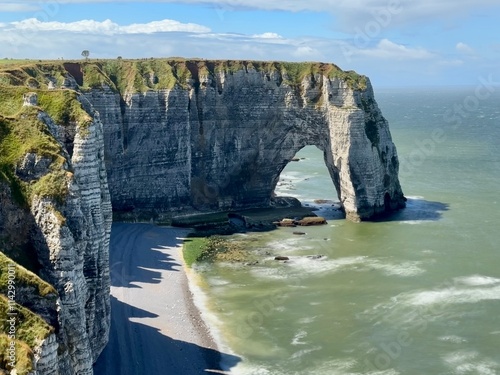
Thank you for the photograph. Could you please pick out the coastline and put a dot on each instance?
(156, 325)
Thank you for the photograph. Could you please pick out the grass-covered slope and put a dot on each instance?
(23, 134)
(29, 328)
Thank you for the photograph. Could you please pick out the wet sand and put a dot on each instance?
(155, 326)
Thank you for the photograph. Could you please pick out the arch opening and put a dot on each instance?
(307, 178)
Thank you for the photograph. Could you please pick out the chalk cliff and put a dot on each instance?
(55, 218)
(219, 139)
(155, 139)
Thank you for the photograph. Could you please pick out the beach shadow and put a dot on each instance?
(135, 348)
(149, 256)
(417, 209)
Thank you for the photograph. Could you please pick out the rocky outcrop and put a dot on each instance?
(63, 228)
(72, 241)
(220, 140)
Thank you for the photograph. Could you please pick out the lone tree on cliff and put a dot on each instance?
(85, 54)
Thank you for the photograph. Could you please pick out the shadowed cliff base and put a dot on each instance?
(250, 220)
(417, 209)
(135, 348)
(155, 326)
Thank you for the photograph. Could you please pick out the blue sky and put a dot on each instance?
(394, 42)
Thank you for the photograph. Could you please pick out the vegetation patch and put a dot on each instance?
(31, 330)
(126, 76)
(26, 134)
(11, 99)
(23, 278)
(193, 249)
(24, 356)
(63, 107)
(52, 185)
(213, 249)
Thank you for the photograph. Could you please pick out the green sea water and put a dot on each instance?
(417, 294)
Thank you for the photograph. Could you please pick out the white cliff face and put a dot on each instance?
(222, 142)
(46, 358)
(72, 241)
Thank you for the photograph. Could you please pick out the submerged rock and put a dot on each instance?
(286, 223)
(308, 221)
(281, 258)
(315, 257)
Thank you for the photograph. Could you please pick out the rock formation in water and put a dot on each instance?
(219, 139)
(159, 138)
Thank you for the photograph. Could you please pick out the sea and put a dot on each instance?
(415, 294)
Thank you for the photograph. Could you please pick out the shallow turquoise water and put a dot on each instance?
(419, 294)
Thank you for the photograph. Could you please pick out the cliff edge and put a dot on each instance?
(55, 220)
(187, 136)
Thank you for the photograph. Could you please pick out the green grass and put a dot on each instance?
(24, 355)
(213, 249)
(30, 327)
(21, 132)
(30, 330)
(24, 278)
(32, 74)
(63, 107)
(11, 99)
(193, 249)
(16, 61)
(124, 75)
(22, 135)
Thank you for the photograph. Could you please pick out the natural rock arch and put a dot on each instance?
(221, 142)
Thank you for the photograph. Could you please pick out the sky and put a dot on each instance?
(394, 42)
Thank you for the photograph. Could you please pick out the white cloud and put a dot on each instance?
(18, 7)
(268, 36)
(108, 27)
(307, 52)
(381, 61)
(349, 13)
(388, 50)
(464, 48)
(164, 26)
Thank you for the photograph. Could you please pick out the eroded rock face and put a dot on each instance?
(33, 167)
(72, 241)
(222, 142)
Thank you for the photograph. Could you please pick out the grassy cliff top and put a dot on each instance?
(126, 75)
